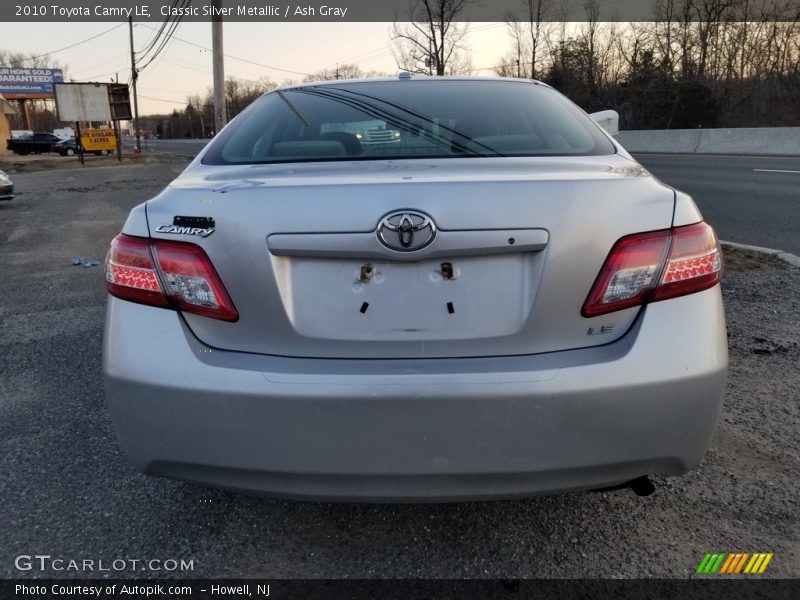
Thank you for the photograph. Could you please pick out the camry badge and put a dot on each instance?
(178, 230)
(406, 230)
(202, 226)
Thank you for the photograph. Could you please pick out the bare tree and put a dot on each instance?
(539, 29)
(197, 118)
(531, 35)
(239, 93)
(344, 71)
(433, 41)
(42, 113)
(9, 58)
(511, 65)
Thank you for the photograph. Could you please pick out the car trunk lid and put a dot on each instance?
(518, 243)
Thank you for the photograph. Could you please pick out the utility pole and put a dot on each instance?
(115, 123)
(134, 77)
(220, 114)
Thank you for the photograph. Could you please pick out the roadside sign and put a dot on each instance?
(18, 83)
(98, 139)
(82, 102)
(119, 98)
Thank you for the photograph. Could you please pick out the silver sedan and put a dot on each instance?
(6, 187)
(415, 289)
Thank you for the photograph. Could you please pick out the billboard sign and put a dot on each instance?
(119, 97)
(82, 102)
(98, 139)
(28, 84)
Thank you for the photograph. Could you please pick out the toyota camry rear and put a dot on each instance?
(491, 300)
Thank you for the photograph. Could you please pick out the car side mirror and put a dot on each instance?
(608, 120)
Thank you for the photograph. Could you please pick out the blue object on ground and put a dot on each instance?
(77, 260)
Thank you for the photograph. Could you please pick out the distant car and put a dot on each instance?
(6, 187)
(70, 147)
(38, 143)
(500, 303)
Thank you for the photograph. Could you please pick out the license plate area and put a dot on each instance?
(437, 299)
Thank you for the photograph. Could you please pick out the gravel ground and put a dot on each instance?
(65, 490)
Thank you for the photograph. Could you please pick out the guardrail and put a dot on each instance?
(775, 141)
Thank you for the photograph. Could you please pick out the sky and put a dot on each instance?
(183, 69)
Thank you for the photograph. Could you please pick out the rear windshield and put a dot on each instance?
(382, 120)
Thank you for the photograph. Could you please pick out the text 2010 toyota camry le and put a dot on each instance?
(415, 289)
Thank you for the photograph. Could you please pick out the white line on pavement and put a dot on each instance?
(774, 171)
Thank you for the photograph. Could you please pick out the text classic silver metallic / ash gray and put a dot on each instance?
(415, 289)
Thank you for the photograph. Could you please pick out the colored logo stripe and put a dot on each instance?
(737, 563)
(734, 563)
(729, 562)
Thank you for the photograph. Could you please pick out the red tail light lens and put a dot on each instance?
(695, 262)
(657, 265)
(167, 274)
(130, 273)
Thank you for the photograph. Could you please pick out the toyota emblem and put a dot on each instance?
(406, 230)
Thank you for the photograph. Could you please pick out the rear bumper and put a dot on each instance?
(445, 429)
(6, 192)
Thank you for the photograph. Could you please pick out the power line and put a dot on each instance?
(100, 64)
(103, 75)
(154, 38)
(184, 64)
(166, 37)
(158, 56)
(162, 99)
(244, 60)
(94, 37)
(382, 50)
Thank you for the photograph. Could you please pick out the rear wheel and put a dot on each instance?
(68, 152)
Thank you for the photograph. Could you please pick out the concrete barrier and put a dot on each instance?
(777, 141)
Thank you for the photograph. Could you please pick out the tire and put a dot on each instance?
(69, 152)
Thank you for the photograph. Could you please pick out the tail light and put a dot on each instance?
(647, 267)
(168, 274)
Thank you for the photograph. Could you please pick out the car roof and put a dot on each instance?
(405, 78)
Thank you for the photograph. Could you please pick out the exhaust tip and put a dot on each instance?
(642, 486)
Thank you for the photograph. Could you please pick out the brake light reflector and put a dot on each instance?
(657, 265)
(167, 274)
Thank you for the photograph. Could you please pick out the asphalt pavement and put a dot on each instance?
(748, 200)
(66, 491)
(751, 200)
